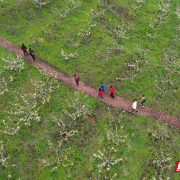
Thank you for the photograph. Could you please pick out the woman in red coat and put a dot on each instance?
(100, 93)
(24, 49)
(112, 91)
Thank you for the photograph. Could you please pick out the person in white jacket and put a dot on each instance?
(134, 105)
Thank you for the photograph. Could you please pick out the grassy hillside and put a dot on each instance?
(139, 141)
(128, 25)
(32, 150)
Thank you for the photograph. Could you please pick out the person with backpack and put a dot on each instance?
(31, 53)
(100, 93)
(143, 100)
(112, 91)
(24, 49)
(134, 105)
(76, 78)
(103, 86)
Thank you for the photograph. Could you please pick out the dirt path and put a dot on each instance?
(87, 89)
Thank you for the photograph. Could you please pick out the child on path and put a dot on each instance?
(103, 86)
(134, 105)
(100, 93)
(112, 91)
(143, 100)
(31, 53)
(24, 49)
(76, 78)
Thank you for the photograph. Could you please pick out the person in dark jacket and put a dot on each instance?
(24, 49)
(31, 52)
(76, 78)
(103, 86)
(143, 100)
(112, 91)
(100, 93)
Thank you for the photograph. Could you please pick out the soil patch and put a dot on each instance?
(130, 121)
(90, 120)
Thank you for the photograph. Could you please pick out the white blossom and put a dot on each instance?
(87, 32)
(163, 6)
(161, 132)
(39, 3)
(178, 11)
(62, 154)
(160, 165)
(76, 103)
(107, 159)
(152, 36)
(63, 12)
(134, 70)
(70, 55)
(140, 1)
(10, 129)
(163, 86)
(14, 64)
(2, 158)
(28, 110)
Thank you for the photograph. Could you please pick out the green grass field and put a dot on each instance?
(22, 21)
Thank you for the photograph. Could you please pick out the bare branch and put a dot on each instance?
(134, 71)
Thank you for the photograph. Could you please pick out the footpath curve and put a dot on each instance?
(87, 89)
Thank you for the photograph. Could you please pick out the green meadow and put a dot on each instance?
(131, 45)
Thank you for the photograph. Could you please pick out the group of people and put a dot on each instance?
(31, 52)
(76, 78)
(101, 91)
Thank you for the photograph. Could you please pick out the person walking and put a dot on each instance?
(134, 105)
(103, 86)
(100, 93)
(143, 100)
(112, 91)
(31, 53)
(76, 78)
(24, 49)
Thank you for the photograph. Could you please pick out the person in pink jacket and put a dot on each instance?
(112, 91)
(76, 78)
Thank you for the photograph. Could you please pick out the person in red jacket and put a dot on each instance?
(100, 93)
(24, 49)
(76, 78)
(112, 91)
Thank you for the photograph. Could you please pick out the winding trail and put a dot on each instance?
(87, 89)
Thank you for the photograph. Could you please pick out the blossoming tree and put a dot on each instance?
(61, 154)
(80, 106)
